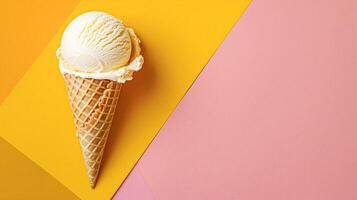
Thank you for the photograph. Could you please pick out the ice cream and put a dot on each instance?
(97, 55)
(98, 45)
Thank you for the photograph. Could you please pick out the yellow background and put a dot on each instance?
(27, 26)
(178, 39)
(23, 179)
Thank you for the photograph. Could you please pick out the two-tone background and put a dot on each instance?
(271, 112)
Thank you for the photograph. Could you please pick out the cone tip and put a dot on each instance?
(92, 181)
(92, 184)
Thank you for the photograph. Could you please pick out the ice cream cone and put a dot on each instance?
(93, 103)
(98, 54)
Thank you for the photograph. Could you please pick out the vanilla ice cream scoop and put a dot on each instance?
(98, 45)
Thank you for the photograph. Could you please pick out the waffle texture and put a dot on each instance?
(93, 103)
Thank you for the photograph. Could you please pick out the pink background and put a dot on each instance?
(272, 116)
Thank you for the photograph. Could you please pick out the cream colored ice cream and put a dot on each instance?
(98, 45)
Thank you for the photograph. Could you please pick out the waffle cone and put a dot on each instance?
(93, 103)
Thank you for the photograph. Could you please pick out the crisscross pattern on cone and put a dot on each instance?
(93, 103)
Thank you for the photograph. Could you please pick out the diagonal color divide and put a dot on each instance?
(178, 39)
(27, 26)
(272, 116)
(23, 179)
